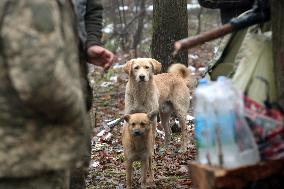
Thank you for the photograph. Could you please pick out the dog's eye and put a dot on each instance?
(146, 67)
(132, 124)
(136, 67)
(143, 124)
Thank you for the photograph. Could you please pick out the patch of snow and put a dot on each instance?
(215, 50)
(107, 128)
(92, 82)
(189, 7)
(201, 69)
(113, 78)
(194, 57)
(193, 69)
(117, 66)
(192, 6)
(162, 133)
(113, 122)
(189, 118)
(121, 8)
(177, 121)
(107, 137)
(150, 8)
(106, 84)
(108, 29)
(94, 164)
(101, 133)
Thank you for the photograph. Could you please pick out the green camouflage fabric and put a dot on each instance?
(47, 180)
(43, 118)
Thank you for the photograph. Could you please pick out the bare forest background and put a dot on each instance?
(128, 26)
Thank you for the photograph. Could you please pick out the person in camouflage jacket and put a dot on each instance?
(44, 129)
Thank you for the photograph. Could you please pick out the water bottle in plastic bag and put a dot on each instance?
(235, 144)
(203, 131)
(222, 135)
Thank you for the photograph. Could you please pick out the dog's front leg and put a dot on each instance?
(144, 169)
(151, 182)
(129, 174)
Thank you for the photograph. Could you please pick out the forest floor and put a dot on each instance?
(107, 169)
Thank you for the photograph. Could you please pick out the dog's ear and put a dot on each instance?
(127, 66)
(152, 115)
(126, 117)
(156, 65)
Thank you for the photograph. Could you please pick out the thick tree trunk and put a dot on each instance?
(277, 17)
(170, 24)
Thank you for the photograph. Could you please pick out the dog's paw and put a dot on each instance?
(143, 186)
(148, 185)
(150, 179)
(151, 184)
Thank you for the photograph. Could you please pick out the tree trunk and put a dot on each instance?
(277, 17)
(113, 17)
(138, 33)
(199, 23)
(170, 23)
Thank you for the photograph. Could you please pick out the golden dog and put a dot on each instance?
(138, 145)
(168, 92)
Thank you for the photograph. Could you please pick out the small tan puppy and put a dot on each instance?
(137, 140)
(168, 92)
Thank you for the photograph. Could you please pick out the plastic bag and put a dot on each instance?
(224, 138)
(267, 126)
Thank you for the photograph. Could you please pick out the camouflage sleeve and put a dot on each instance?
(42, 58)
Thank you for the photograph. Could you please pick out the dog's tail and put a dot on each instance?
(180, 69)
(184, 72)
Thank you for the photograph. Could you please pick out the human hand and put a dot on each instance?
(100, 56)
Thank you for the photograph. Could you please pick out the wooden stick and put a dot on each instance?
(202, 38)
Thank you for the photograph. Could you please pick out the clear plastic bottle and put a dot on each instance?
(222, 135)
(235, 145)
(203, 134)
(226, 147)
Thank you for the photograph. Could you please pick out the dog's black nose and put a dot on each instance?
(137, 133)
(142, 77)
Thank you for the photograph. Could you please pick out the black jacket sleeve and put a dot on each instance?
(93, 22)
(225, 4)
